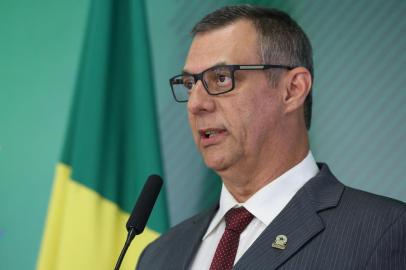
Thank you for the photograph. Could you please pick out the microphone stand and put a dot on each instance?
(130, 236)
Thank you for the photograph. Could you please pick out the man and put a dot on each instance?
(247, 80)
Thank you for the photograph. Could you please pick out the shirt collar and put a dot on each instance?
(269, 201)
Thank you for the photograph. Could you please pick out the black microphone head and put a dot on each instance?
(145, 203)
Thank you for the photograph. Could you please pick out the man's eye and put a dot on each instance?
(188, 84)
(223, 79)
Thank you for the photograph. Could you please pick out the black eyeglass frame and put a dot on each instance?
(233, 68)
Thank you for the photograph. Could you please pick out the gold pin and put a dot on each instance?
(281, 242)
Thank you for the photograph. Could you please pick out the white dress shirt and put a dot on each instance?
(265, 205)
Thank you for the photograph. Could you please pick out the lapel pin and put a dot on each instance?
(281, 241)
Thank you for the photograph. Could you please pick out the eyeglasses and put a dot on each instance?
(216, 80)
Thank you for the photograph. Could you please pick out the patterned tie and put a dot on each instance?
(237, 219)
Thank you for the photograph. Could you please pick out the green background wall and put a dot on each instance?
(40, 43)
(359, 108)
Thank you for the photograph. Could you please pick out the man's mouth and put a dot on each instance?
(211, 136)
(208, 133)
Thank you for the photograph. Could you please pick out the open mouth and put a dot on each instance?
(209, 133)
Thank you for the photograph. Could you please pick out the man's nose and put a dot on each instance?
(200, 100)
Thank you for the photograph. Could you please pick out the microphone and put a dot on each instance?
(141, 212)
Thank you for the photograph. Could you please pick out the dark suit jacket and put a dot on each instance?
(328, 226)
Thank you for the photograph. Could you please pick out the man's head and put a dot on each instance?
(243, 119)
(280, 39)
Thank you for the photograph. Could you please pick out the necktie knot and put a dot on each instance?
(237, 219)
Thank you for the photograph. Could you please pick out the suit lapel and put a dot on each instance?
(299, 222)
(195, 235)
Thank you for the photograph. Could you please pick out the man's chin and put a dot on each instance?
(216, 163)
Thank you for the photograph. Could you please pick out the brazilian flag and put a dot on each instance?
(111, 146)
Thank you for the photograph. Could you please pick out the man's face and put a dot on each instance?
(243, 123)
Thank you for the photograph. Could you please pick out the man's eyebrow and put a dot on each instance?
(186, 72)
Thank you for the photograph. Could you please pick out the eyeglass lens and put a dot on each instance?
(216, 80)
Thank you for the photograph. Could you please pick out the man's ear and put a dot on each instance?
(298, 83)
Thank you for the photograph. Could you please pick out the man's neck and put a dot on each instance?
(244, 181)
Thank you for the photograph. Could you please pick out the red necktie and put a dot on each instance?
(237, 219)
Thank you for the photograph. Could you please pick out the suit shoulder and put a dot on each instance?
(173, 248)
(365, 204)
(365, 199)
